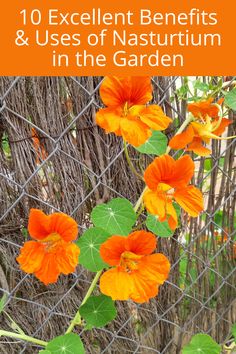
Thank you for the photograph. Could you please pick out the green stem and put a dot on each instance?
(140, 200)
(181, 129)
(23, 337)
(14, 325)
(92, 286)
(130, 163)
(77, 319)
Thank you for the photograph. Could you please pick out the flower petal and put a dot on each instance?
(39, 224)
(160, 170)
(67, 258)
(143, 289)
(198, 148)
(109, 119)
(155, 204)
(154, 268)
(141, 242)
(154, 117)
(164, 169)
(172, 215)
(120, 285)
(134, 131)
(48, 272)
(223, 125)
(64, 225)
(183, 172)
(112, 249)
(141, 90)
(116, 91)
(203, 108)
(180, 141)
(190, 199)
(31, 256)
(117, 284)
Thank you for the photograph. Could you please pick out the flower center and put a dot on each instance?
(129, 260)
(164, 187)
(52, 241)
(165, 191)
(126, 109)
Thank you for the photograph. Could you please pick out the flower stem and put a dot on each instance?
(77, 319)
(139, 202)
(130, 163)
(23, 337)
(14, 325)
(92, 286)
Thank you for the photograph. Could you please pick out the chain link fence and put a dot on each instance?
(54, 157)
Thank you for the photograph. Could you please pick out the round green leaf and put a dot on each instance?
(66, 344)
(98, 310)
(161, 229)
(201, 86)
(116, 217)
(89, 244)
(155, 145)
(202, 344)
(45, 352)
(233, 331)
(230, 99)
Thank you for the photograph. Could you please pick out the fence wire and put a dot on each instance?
(54, 157)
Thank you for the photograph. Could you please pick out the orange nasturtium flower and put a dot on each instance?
(136, 273)
(127, 113)
(168, 180)
(207, 125)
(52, 252)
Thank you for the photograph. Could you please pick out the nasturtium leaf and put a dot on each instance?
(230, 99)
(201, 86)
(177, 209)
(88, 327)
(45, 352)
(233, 331)
(116, 217)
(207, 165)
(98, 310)
(66, 344)
(5, 145)
(155, 145)
(159, 228)
(201, 344)
(2, 302)
(89, 244)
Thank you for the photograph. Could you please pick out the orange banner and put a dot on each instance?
(166, 37)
